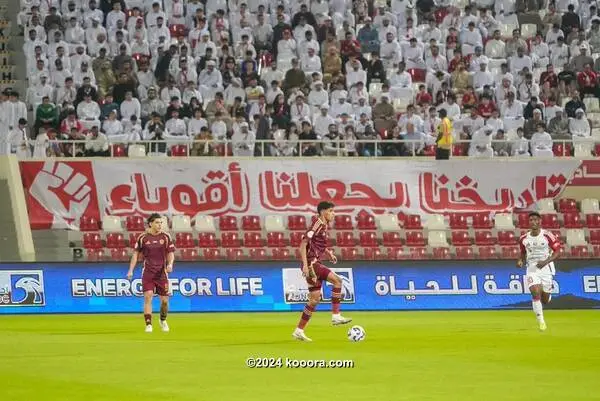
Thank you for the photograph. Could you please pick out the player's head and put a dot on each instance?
(535, 220)
(155, 221)
(325, 210)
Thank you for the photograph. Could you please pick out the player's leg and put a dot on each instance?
(336, 298)
(314, 297)
(162, 289)
(547, 287)
(148, 294)
(535, 287)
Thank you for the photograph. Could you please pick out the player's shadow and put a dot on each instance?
(243, 344)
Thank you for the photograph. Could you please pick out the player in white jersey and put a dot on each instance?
(539, 250)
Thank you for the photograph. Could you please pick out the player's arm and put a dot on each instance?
(170, 254)
(303, 245)
(332, 256)
(555, 246)
(134, 257)
(523, 256)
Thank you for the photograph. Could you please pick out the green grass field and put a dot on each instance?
(417, 356)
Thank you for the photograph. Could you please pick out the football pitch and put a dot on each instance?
(417, 356)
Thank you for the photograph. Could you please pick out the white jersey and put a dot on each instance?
(538, 248)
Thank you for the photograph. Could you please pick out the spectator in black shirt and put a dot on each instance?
(574, 104)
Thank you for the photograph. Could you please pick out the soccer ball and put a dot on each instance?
(356, 333)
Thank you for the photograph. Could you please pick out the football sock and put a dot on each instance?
(306, 314)
(336, 297)
(538, 310)
(164, 308)
(148, 318)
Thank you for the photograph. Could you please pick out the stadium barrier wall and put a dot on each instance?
(273, 286)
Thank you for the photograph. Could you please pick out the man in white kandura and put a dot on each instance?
(539, 249)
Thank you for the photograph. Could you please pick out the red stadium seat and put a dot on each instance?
(417, 74)
(230, 240)
(592, 220)
(368, 239)
(207, 240)
(464, 252)
(365, 221)
(88, 224)
(482, 221)
(561, 150)
(487, 252)
(391, 239)
(251, 223)
(342, 222)
(418, 252)
(115, 240)
(258, 254)
(506, 238)
(550, 221)
(275, 240)
(415, 238)
(441, 253)
(484, 238)
(345, 239)
(253, 240)
(440, 14)
(184, 240)
(595, 237)
(396, 253)
(458, 150)
(177, 30)
(134, 223)
(179, 151)
(567, 205)
(413, 222)
(429, 150)
(572, 220)
(92, 241)
(458, 221)
(119, 254)
(297, 223)
(189, 254)
(372, 254)
(281, 254)
(133, 238)
(510, 252)
(95, 255)
(597, 149)
(350, 254)
(118, 150)
(228, 223)
(212, 254)
(596, 250)
(522, 220)
(460, 238)
(296, 238)
(235, 254)
(580, 252)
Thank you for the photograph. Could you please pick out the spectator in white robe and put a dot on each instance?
(88, 113)
(130, 106)
(541, 142)
(401, 83)
(322, 121)
(210, 82)
(413, 55)
(18, 140)
(579, 127)
(300, 111)
(243, 141)
(481, 143)
(113, 128)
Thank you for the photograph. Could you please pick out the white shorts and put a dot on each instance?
(544, 278)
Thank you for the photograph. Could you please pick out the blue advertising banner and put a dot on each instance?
(231, 286)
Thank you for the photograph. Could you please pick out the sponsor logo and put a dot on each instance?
(22, 288)
(295, 287)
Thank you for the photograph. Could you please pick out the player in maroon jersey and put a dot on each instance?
(312, 248)
(158, 251)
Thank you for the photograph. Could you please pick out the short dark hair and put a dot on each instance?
(153, 216)
(324, 206)
(535, 214)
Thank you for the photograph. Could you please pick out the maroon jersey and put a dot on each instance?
(317, 238)
(155, 249)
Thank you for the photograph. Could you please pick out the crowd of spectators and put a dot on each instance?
(310, 77)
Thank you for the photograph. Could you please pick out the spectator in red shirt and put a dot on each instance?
(587, 80)
(349, 47)
(423, 97)
(469, 99)
(549, 76)
(486, 107)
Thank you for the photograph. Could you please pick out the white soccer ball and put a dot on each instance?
(356, 333)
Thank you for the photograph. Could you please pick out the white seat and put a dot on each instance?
(274, 223)
(546, 206)
(437, 239)
(204, 224)
(506, 30)
(591, 104)
(528, 31)
(583, 149)
(435, 222)
(504, 221)
(590, 206)
(182, 224)
(165, 224)
(576, 237)
(112, 224)
(596, 134)
(387, 222)
(136, 151)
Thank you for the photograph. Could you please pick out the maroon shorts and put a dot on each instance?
(155, 281)
(315, 284)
